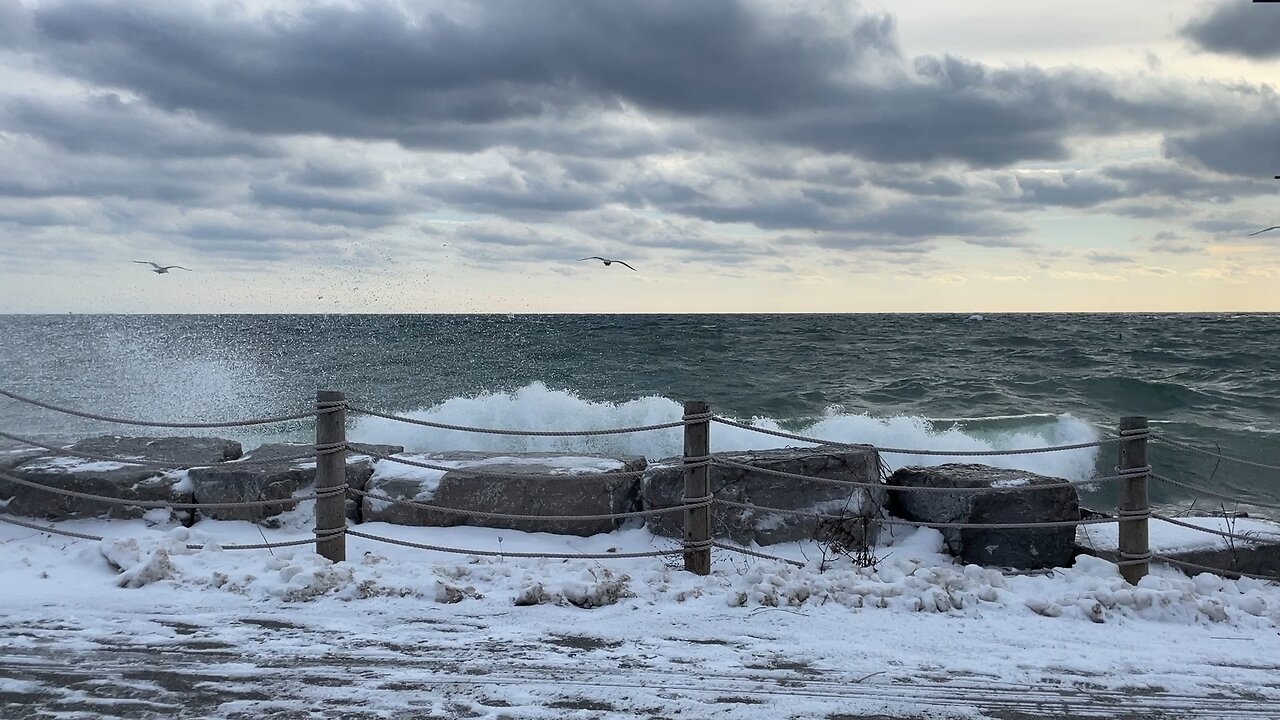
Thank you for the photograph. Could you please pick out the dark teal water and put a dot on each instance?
(949, 381)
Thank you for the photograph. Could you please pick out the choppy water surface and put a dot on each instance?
(946, 381)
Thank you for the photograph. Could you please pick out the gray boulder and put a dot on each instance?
(1027, 549)
(519, 483)
(109, 479)
(13, 458)
(257, 476)
(664, 487)
(181, 451)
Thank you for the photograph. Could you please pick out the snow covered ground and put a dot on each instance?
(139, 626)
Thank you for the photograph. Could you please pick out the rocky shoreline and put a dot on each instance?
(844, 482)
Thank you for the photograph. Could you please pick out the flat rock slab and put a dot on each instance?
(109, 479)
(181, 451)
(257, 476)
(664, 487)
(519, 484)
(1258, 556)
(1027, 549)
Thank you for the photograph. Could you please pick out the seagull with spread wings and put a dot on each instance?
(161, 269)
(607, 262)
(1273, 227)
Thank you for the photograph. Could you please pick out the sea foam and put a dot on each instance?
(537, 407)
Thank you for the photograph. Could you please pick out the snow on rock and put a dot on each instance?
(142, 563)
(1166, 538)
(533, 486)
(588, 588)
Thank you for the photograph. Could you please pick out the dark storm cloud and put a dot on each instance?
(1148, 210)
(25, 214)
(502, 243)
(508, 197)
(256, 239)
(128, 187)
(108, 124)
(283, 195)
(469, 77)
(834, 241)
(937, 185)
(1233, 27)
(853, 214)
(339, 177)
(1170, 180)
(542, 124)
(1069, 189)
(1247, 148)
(952, 109)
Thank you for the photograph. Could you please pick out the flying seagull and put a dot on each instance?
(161, 269)
(1273, 227)
(607, 262)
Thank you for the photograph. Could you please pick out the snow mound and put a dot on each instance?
(589, 588)
(911, 574)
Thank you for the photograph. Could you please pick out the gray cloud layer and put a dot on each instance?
(1250, 30)
(669, 125)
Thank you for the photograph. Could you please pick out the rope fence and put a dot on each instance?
(190, 546)
(332, 490)
(304, 452)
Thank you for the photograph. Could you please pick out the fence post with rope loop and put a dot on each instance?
(697, 487)
(1134, 508)
(331, 475)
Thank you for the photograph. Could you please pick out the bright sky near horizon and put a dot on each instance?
(386, 156)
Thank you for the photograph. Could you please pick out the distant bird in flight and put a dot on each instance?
(161, 269)
(1273, 227)
(607, 262)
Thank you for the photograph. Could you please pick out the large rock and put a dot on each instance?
(1259, 554)
(109, 479)
(664, 487)
(181, 451)
(257, 476)
(1028, 549)
(522, 484)
(12, 458)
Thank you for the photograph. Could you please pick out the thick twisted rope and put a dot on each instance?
(165, 503)
(500, 553)
(755, 553)
(471, 472)
(167, 424)
(190, 546)
(513, 516)
(87, 456)
(925, 489)
(1162, 438)
(914, 523)
(908, 451)
(688, 420)
(308, 451)
(1213, 493)
(48, 528)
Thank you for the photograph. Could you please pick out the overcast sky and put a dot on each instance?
(381, 156)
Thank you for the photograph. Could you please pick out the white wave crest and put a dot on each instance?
(536, 407)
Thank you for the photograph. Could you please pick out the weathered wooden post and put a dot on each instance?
(697, 485)
(331, 475)
(1134, 509)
